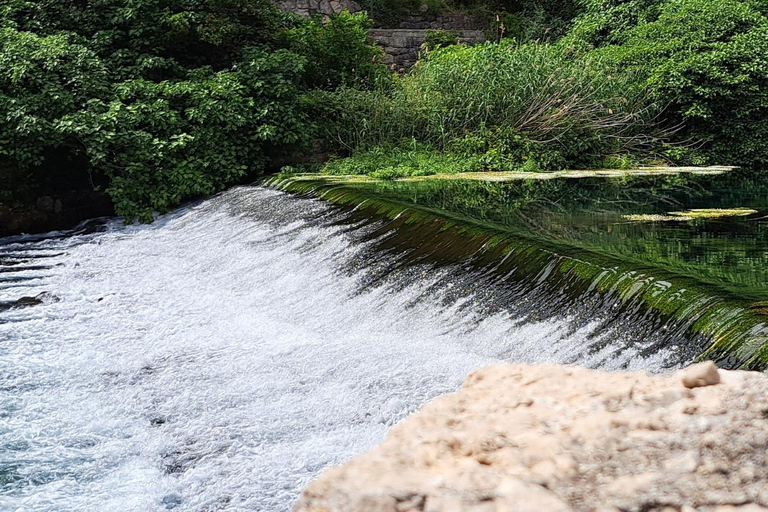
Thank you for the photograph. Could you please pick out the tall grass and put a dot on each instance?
(354, 120)
(510, 99)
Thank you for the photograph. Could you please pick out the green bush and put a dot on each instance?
(435, 39)
(606, 22)
(708, 62)
(503, 104)
(338, 52)
(162, 143)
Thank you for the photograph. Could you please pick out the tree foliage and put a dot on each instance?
(707, 61)
(42, 79)
(166, 100)
(152, 38)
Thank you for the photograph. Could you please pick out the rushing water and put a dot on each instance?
(222, 357)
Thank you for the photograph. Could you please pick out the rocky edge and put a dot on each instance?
(561, 439)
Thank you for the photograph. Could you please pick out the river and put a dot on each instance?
(221, 357)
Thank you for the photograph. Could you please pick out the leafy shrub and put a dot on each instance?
(708, 61)
(607, 22)
(338, 52)
(434, 39)
(161, 143)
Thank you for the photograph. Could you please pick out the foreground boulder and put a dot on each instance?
(560, 439)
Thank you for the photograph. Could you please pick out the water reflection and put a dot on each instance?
(729, 252)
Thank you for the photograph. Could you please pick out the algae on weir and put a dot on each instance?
(705, 273)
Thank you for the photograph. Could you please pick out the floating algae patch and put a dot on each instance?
(534, 238)
(654, 217)
(687, 215)
(714, 213)
(504, 176)
(576, 174)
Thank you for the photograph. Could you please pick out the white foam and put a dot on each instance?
(217, 360)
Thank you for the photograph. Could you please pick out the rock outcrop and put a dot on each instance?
(60, 210)
(22, 302)
(562, 439)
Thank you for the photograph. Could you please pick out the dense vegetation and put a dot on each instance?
(502, 106)
(678, 81)
(160, 102)
(705, 61)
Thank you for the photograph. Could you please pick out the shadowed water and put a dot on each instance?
(223, 356)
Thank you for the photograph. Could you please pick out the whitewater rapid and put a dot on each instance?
(221, 357)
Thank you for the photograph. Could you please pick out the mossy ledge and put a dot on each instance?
(501, 176)
(729, 329)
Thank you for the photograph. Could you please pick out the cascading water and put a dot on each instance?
(221, 357)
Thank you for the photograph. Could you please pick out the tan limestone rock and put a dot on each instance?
(566, 439)
(700, 375)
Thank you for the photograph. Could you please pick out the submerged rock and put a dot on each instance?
(63, 210)
(558, 438)
(37, 299)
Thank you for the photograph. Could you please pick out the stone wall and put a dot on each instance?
(402, 46)
(309, 8)
(424, 21)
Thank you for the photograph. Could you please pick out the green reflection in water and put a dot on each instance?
(707, 274)
(730, 252)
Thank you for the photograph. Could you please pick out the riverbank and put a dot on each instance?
(501, 176)
(566, 439)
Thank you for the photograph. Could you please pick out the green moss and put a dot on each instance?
(735, 327)
(698, 213)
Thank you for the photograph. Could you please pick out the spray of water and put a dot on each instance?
(222, 357)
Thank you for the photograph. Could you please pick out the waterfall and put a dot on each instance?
(223, 356)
